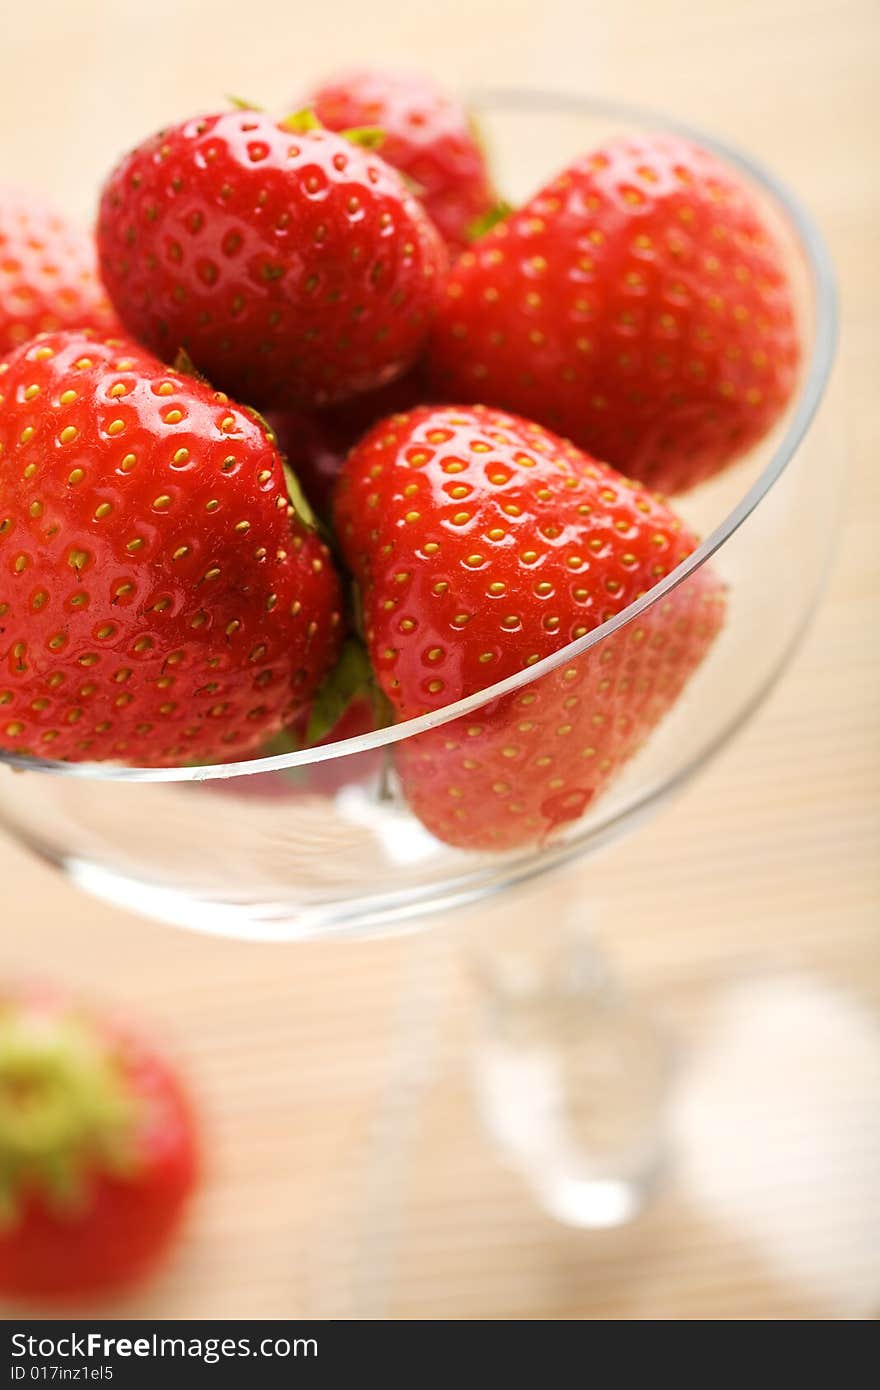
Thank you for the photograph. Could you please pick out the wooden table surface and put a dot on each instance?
(347, 1174)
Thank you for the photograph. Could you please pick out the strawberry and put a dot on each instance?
(428, 136)
(482, 543)
(160, 600)
(98, 1150)
(637, 304)
(48, 274)
(293, 265)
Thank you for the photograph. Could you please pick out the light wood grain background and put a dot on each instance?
(346, 1174)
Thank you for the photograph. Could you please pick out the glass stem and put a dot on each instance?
(571, 1078)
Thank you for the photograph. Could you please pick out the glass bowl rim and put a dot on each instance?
(813, 384)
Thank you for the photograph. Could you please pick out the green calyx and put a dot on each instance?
(352, 676)
(299, 122)
(298, 498)
(369, 137)
(241, 104)
(487, 220)
(65, 1111)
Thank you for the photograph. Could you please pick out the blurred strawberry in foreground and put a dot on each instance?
(161, 601)
(315, 445)
(638, 304)
(427, 135)
(97, 1151)
(482, 543)
(48, 273)
(293, 265)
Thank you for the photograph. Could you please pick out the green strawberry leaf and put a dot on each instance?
(352, 676)
(241, 105)
(369, 137)
(298, 498)
(487, 220)
(300, 121)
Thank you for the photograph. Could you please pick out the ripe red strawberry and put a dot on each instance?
(160, 601)
(48, 274)
(482, 543)
(293, 266)
(427, 135)
(637, 304)
(97, 1151)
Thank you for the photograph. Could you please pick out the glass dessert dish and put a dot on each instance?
(322, 841)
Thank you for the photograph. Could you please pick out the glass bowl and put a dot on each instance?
(322, 841)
